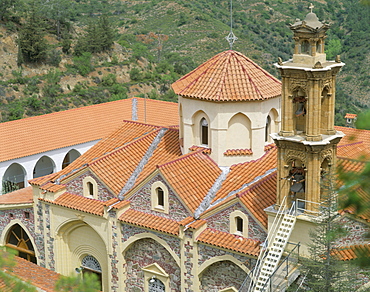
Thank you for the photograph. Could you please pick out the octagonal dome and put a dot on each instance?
(228, 76)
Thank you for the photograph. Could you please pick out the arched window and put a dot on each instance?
(239, 224)
(160, 197)
(156, 285)
(71, 156)
(18, 240)
(305, 48)
(14, 178)
(91, 265)
(90, 187)
(267, 128)
(44, 166)
(204, 131)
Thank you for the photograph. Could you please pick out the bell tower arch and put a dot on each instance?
(307, 140)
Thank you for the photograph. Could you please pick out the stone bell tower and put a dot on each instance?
(307, 141)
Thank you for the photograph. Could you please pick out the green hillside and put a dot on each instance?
(156, 42)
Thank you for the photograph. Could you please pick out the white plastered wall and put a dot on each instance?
(219, 114)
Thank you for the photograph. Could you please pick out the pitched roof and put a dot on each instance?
(228, 76)
(22, 196)
(352, 252)
(150, 221)
(191, 176)
(115, 168)
(94, 122)
(350, 116)
(40, 277)
(242, 174)
(356, 150)
(259, 196)
(80, 203)
(354, 135)
(230, 241)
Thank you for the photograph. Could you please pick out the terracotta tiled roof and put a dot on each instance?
(191, 176)
(350, 116)
(22, 196)
(269, 146)
(354, 135)
(352, 252)
(203, 149)
(350, 164)
(228, 76)
(52, 187)
(150, 221)
(190, 222)
(356, 150)
(259, 196)
(230, 241)
(94, 122)
(238, 152)
(244, 173)
(40, 277)
(115, 168)
(80, 203)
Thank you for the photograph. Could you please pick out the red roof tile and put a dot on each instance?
(22, 196)
(52, 187)
(238, 152)
(228, 76)
(230, 241)
(191, 176)
(150, 221)
(203, 149)
(80, 203)
(92, 122)
(354, 135)
(356, 150)
(350, 116)
(244, 173)
(352, 252)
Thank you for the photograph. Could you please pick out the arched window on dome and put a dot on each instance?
(204, 131)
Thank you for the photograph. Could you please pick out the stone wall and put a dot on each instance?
(356, 231)
(141, 201)
(6, 218)
(220, 221)
(143, 253)
(221, 275)
(76, 187)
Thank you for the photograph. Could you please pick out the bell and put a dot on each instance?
(301, 109)
(298, 183)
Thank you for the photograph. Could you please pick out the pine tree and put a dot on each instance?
(325, 272)
(31, 42)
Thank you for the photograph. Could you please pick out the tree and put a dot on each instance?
(88, 283)
(12, 283)
(32, 44)
(6, 6)
(325, 272)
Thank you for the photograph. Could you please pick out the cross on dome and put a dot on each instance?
(311, 7)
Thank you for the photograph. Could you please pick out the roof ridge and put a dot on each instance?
(130, 143)
(354, 143)
(181, 158)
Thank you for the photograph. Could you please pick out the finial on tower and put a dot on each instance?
(311, 7)
(231, 38)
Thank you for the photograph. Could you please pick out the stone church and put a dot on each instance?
(188, 207)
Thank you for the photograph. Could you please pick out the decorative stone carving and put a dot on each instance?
(295, 84)
(327, 153)
(295, 154)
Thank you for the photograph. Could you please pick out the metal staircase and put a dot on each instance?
(272, 249)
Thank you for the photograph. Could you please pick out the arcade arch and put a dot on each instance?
(14, 178)
(44, 166)
(71, 156)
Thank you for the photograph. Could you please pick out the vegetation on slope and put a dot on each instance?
(154, 43)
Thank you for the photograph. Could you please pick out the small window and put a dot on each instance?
(160, 197)
(27, 215)
(267, 128)
(90, 188)
(11, 216)
(204, 131)
(306, 47)
(239, 224)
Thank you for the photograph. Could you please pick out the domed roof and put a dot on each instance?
(311, 20)
(228, 76)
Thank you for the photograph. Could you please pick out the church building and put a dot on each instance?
(159, 206)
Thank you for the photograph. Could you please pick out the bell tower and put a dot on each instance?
(307, 141)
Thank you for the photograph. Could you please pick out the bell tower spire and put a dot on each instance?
(307, 141)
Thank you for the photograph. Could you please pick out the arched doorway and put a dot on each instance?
(91, 265)
(19, 241)
(71, 156)
(14, 178)
(44, 166)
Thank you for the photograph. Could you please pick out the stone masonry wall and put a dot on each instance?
(220, 221)
(76, 187)
(7, 216)
(356, 231)
(173, 242)
(113, 256)
(221, 275)
(143, 253)
(141, 201)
